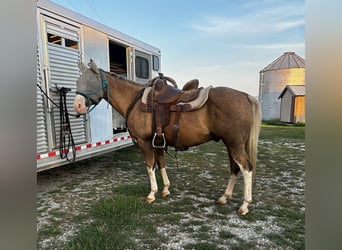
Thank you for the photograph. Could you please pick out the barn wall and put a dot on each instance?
(299, 109)
(286, 107)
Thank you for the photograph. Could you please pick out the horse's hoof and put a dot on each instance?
(243, 211)
(221, 201)
(165, 194)
(149, 200)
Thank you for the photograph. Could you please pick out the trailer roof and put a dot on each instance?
(78, 18)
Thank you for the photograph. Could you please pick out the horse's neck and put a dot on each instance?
(121, 92)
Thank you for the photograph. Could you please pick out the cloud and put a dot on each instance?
(290, 46)
(252, 20)
(228, 26)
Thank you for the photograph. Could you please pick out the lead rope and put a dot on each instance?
(66, 139)
(105, 85)
(176, 158)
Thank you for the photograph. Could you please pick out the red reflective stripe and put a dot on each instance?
(50, 154)
(79, 147)
(65, 151)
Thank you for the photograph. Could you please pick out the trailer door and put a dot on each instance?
(62, 52)
(42, 138)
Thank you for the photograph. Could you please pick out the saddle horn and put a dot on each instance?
(162, 77)
(171, 81)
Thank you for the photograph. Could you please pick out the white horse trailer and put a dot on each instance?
(64, 39)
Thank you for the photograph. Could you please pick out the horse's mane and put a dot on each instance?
(123, 78)
(142, 85)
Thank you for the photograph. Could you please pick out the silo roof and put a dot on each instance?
(286, 61)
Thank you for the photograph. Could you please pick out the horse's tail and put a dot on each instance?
(252, 143)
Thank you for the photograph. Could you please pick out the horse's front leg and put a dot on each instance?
(159, 153)
(149, 156)
(151, 171)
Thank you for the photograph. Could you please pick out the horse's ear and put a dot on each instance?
(82, 66)
(93, 66)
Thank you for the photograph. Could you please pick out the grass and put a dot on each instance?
(117, 219)
(189, 219)
(114, 219)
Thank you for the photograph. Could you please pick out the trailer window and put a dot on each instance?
(117, 58)
(54, 39)
(141, 67)
(71, 44)
(65, 42)
(155, 63)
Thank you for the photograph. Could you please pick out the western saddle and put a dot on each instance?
(161, 98)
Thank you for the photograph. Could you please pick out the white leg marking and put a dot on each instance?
(166, 182)
(248, 185)
(229, 190)
(154, 187)
(247, 189)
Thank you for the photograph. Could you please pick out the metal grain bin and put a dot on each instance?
(288, 69)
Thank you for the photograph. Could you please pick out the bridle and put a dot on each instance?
(87, 95)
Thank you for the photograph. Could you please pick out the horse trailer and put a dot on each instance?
(64, 39)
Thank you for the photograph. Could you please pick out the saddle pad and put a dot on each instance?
(195, 104)
(145, 94)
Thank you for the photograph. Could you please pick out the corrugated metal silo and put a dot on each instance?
(288, 69)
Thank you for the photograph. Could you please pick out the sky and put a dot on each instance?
(219, 42)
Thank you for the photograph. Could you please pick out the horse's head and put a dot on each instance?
(89, 87)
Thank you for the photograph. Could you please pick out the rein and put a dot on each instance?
(133, 102)
(66, 139)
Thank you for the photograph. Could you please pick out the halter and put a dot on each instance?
(87, 94)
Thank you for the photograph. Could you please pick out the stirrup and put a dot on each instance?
(154, 138)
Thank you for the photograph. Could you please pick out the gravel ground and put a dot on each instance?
(66, 194)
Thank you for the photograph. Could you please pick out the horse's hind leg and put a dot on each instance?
(161, 163)
(234, 171)
(240, 157)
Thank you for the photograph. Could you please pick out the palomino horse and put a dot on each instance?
(228, 115)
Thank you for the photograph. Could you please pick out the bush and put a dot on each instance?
(275, 122)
